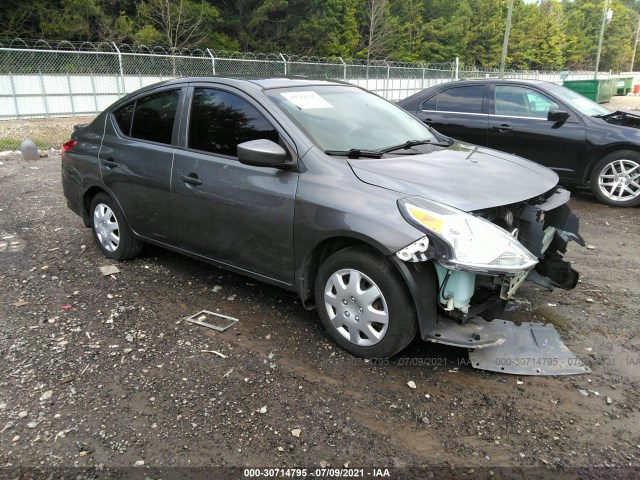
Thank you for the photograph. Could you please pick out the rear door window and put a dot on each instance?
(461, 99)
(220, 120)
(150, 117)
(154, 115)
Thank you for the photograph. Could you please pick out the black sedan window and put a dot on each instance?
(154, 115)
(461, 99)
(221, 120)
(522, 102)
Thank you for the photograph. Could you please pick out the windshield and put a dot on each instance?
(344, 118)
(579, 103)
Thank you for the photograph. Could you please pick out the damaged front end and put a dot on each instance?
(480, 261)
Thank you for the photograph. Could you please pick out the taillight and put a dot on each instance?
(68, 145)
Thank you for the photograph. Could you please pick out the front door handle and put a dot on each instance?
(190, 179)
(428, 121)
(109, 163)
(503, 128)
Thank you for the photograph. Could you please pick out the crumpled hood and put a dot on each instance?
(464, 176)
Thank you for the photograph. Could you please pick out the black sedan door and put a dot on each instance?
(518, 124)
(458, 112)
(136, 157)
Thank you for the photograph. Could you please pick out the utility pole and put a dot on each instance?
(505, 44)
(604, 20)
(635, 45)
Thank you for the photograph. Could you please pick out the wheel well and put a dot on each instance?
(603, 152)
(86, 203)
(320, 253)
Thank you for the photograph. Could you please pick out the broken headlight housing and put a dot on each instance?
(464, 241)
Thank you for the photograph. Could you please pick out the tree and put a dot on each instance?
(177, 23)
(380, 31)
(330, 30)
(81, 20)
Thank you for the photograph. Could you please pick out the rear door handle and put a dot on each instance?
(109, 163)
(190, 179)
(428, 121)
(502, 128)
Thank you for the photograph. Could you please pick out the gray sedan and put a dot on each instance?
(322, 188)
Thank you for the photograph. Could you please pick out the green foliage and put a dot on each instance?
(545, 34)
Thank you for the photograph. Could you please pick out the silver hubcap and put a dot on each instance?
(356, 307)
(106, 227)
(620, 180)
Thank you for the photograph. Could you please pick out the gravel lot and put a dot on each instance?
(103, 371)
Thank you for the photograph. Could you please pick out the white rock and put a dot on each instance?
(3, 405)
(15, 439)
(411, 384)
(217, 288)
(296, 432)
(22, 414)
(46, 395)
(32, 424)
(584, 392)
(139, 463)
(263, 410)
(609, 401)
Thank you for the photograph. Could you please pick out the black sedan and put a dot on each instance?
(583, 142)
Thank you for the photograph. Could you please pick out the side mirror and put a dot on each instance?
(557, 116)
(262, 153)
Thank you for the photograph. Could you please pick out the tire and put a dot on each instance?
(615, 179)
(364, 305)
(110, 230)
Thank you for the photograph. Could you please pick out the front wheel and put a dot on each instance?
(364, 305)
(615, 179)
(110, 231)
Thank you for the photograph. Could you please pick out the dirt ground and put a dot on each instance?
(103, 371)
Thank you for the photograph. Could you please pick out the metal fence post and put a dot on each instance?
(73, 108)
(213, 61)
(44, 96)
(95, 93)
(14, 94)
(424, 70)
(386, 81)
(457, 77)
(284, 60)
(344, 69)
(123, 91)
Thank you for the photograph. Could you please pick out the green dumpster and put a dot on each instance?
(624, 85)
(597, 90)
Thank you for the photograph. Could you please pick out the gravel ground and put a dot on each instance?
(103, 371)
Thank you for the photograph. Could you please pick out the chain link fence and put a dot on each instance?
(47, 87)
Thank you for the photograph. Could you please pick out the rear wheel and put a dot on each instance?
(364, 305)
(110, 231)
(615, 179)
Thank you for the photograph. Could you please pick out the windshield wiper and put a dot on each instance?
(413, 143)
(355, 153)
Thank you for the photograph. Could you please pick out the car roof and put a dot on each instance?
(498, 80)
(263, 82)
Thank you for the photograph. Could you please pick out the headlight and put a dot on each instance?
(466, 242)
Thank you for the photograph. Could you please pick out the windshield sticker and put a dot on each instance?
(306, 100)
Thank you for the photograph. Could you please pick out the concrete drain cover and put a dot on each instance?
(216, 321)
